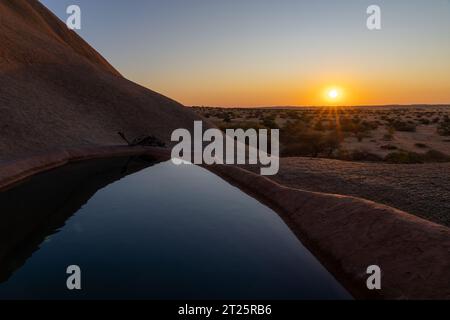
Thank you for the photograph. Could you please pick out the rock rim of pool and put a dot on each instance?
(347, 234)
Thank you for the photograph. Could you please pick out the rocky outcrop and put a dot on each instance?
(58, 92)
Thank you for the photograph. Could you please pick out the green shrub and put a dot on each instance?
(293, 115)
(310, 144)
(444, 128)
(270, 123)
(357, 155)
(403, 126)
(241, 125)
(362, 155)
(348, 125)
(404, 157)
(319, 126)
(389, 147)
(226, 117)
(436, 156)
(361, 135)
(421, 145)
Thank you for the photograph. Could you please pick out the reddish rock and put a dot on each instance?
(349, 234)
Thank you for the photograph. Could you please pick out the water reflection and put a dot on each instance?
(160, 232)
(38, 208)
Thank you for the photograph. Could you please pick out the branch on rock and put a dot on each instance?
(144, 140)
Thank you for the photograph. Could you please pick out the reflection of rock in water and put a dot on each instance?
(39, 207)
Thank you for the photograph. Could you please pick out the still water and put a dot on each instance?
(150, 232)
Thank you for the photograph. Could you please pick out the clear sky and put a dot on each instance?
(274, 52)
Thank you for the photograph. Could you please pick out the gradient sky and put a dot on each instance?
(277, 52)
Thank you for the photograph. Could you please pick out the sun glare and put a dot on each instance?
(333, 95)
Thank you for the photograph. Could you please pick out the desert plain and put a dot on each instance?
(395, 155)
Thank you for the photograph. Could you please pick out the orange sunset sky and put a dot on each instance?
(275, 53)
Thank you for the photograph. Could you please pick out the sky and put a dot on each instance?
(274, 52)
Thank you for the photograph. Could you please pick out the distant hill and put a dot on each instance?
(56, 91)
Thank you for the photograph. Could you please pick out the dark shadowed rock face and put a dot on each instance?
(57, 92)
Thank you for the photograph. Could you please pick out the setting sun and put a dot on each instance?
(333, 94)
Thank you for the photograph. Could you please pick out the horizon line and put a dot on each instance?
(324, 106)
